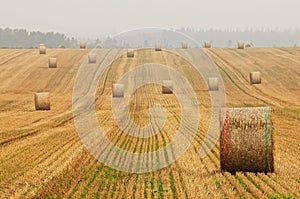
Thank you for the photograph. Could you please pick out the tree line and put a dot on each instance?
(21, 38)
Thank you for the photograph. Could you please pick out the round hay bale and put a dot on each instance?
(42, 49)
(207, 44)
(255, 78)
(118, 90)
(83, 45)
(241, 45)
(248, 46)
(167, 87)
(130, 53)
(185, 45)
(158, 47)
(246, 142)
(213, 83)
(61, 46)
(42, 101)
(52, 62)
(92, 59)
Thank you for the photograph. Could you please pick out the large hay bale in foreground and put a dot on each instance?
(241, 45)
(52, 62)
(118, 90)
(130, 53)
(184, 44)
(158, 47)
(42, 49)
(246, 142)
(207, 44)
(167, 87)
(83, 45)
(92, 59)
(213, 83)
(255, 78)
(42, 101)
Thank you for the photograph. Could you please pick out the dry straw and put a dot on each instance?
(118, 90)
(241, 45)
(167, 87)
(52, 62)
(42, 49)
(207, 44)
(83, 45)
(213, 84)
(246, 142)
(42, 101)
(184, 44)
(158, 47)
(255, 78)
(130, 53)
(92, 59)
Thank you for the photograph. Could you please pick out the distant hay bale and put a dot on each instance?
(255, 78)
(248, 46)
(52, 62)
(118, 90)
(167, 87)
(207, 44)
(42, 101)
(61, 46)
(184, 44)
(42, 49)
(83, 45)
(158, 47)
(246, 142)
(130, 53)
(213, 83)
(241, 45)
(92, 59)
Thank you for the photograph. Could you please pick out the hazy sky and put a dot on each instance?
(85, 18)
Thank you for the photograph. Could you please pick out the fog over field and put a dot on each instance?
(94, 18)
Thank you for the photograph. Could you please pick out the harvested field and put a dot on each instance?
(42, 155)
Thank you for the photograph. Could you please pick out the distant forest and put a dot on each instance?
(21, 38)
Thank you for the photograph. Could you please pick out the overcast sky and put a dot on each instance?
(86, 18)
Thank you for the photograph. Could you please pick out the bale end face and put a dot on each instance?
(82, 45)
(213, 84)
(246, 142)
(241, 45)
(185, 45)
(52, 62)
(158, 47)
(167, 87)
(118, 90)
(42, 101)
(255, 78)
(42, 49)
(130, 53)
(92, 59)
(207, 44)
